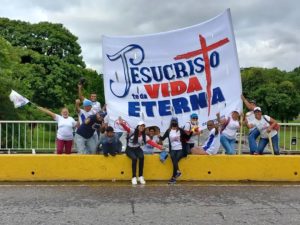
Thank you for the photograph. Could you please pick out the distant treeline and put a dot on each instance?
(43, 62)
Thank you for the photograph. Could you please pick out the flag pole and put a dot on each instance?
(241, 134)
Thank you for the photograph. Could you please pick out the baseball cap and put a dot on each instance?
(87, 102)
(174, 119)
(194, 116)
(236, 110)
(253, 101)
(141, 123)
(257, 109)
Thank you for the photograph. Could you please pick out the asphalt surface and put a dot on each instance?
(155, 203)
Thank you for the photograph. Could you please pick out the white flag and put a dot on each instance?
(17, 99)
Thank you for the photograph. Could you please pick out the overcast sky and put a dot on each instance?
(267, 32)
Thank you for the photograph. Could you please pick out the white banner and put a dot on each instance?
(173, 74)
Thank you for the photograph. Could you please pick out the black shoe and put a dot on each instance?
(178, 174)
(172, 180)
(113, 154)
(105, 154)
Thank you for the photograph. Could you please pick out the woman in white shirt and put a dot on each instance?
(66, 125)
(266, 126)
(229, 128)
(135, 139)
(177, 146)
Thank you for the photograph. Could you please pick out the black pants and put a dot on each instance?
(176, 155)
(189, 147)
(135, 154)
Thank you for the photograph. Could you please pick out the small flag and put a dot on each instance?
(17, 99)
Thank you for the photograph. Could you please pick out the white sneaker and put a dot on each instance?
(134, 181)
(142, 180)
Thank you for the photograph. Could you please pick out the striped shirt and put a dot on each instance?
(212, 144)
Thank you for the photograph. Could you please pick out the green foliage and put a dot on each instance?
(277, 92)
(43, 63)
(45, 38)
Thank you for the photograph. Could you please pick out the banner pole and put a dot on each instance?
(271, 144)
(241, 134)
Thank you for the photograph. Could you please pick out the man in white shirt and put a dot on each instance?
(96, 106)
(266, 126)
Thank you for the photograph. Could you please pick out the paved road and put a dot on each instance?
(155, 203)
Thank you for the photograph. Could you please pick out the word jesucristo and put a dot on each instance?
(164, 81)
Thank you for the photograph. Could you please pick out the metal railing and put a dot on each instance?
(23, 136)
(289, 137)
(40, 136)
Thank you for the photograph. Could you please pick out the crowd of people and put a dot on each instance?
(93, 134)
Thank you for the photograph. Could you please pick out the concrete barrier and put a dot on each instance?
(194, 168)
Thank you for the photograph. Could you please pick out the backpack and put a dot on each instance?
(276, 127)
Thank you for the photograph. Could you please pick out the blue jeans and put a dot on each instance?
(253, 135)
(86, 146)
(264, 141)
(228, 144)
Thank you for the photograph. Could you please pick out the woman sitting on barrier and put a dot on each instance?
(229, 128)
(177, 146)
(135, 139)
(268, 128)
(64, 136)
(212, 144)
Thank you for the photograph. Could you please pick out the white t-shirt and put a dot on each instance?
(140, 141)
(212, 144)
(65, 127)
(188, 127)
(82, 115)
(231, 128)
(262, 125)
(174, 136)
(250, 117)
(96, 106)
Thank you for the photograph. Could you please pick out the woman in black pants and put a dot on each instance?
(177, 146)
(135, 138)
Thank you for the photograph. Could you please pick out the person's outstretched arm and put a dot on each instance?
(77, 105)
(53, 115)
(80, 95)
(247, 103)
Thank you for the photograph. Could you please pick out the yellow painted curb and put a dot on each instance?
(193, 168)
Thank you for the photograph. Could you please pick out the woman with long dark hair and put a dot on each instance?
(135, 139)
(177, 146)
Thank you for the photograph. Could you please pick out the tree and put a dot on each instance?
(42, 62)
(45, 38)
(277, 92)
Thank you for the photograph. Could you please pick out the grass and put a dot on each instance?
(286, 134)
(42, 137)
